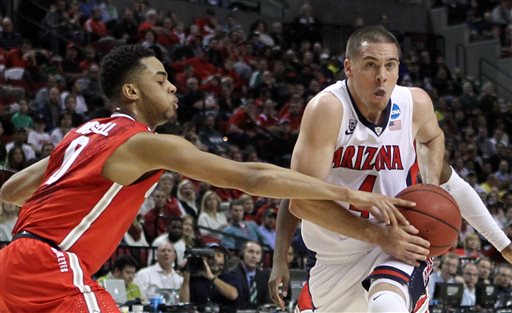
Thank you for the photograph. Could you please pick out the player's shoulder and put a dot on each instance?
(324, 103)
(419, 96)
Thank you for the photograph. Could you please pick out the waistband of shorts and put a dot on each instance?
(26, 234)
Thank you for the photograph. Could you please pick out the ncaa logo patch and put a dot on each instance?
(395, 111)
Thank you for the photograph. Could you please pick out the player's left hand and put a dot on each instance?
(278, 283)
(507, 253)
(384, 208)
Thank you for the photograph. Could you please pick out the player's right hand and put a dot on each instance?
(278, 283)
(402, 243)
(382, 207)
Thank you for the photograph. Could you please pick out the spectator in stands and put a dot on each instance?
(484, 267)
(70, 65)
(248, 205)
(70, 107)
(472, 246)
(109, 13)
(160, 275)
(9, 39)
(211, 216)
(56, 22)
(126, 27)
(306, 26)
(95, 27)
(20, 141)
(243, 230)
(502, 279)
(65, 125)
(135, 235)
(470, 276)
(50, 108)
(22, 118)
(24, 56)
(156, 219)
(190, 232)
(124, 268)
(8, 217)
(252, 279)
(149, 38)
(37, 137)
(16, 159)
(148, 23)
(446, 274)
(174, 235)
(186, 194)
(212, 284)
(268, 227)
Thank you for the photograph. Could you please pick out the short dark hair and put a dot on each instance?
(119, 64)
(372, 34)
(236, 202)
(123, 261)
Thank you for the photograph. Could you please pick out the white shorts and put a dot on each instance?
(342, 286)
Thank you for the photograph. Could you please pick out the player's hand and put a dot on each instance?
(401, 243)
(278, 283)
(507, 253)
(384, 208)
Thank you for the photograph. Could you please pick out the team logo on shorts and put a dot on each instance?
(352, 123)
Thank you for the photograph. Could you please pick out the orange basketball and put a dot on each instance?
(436, 215)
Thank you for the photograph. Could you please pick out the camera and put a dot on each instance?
(195, 264)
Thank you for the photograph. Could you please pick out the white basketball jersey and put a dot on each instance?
(367, 157)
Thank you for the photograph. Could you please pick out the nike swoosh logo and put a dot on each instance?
(378, 296)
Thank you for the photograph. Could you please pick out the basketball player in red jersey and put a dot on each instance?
(78, 203)
(369, 110)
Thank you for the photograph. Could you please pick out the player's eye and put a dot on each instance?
(390, 66)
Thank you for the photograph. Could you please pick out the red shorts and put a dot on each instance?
(34, 277)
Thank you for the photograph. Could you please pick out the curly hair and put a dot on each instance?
(119, 64)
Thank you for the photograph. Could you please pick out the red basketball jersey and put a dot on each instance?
(75, 206)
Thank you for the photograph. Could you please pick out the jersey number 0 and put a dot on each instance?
(72, 152)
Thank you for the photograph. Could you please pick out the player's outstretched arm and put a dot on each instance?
(23, 184)
(146, 152)
(279, 276)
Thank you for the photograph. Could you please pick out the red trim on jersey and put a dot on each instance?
(391, 273)
(305, 301)
(420, 303)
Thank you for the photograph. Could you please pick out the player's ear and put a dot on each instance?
(130, 91)
(347, 65)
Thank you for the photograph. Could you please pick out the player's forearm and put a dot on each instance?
(225, 289)
(275, 182)
(335, 218)
(431, 158)
(286, 224)
(24, 183)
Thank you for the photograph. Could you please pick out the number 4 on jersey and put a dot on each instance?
(367, 185)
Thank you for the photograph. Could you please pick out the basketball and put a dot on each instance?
(436, 216)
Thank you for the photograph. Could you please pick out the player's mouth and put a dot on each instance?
(380, 93)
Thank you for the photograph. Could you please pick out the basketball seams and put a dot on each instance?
(430, 188)
(433, 217)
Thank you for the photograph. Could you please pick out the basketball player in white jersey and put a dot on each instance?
(362, 133)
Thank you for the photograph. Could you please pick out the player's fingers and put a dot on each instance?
(403, 203)
(410, 229)
(392, 215)
(274, 292)
(400, 218)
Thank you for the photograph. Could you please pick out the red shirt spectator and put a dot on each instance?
(95, 26)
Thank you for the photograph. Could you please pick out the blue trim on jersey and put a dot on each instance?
(363, 119)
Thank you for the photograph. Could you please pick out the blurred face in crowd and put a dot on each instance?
(188, 226)
(166, 255)
(175, 230)
(470, 275)
(127, 274)
(449, 267)
(252, 255)
(187, 191)
(212, 203)
(159, 198)
(237, 213)
(166, 184)
(290, 255)
(484, 269)
(503, 277)
(54, 95)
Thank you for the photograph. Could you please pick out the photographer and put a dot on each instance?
(206, 281)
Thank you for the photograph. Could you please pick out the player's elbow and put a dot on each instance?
(297, 207)
(259, 179)
(6, 193)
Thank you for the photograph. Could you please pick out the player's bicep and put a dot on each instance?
(19, 187)
(315, 145)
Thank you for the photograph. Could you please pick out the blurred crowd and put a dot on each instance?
(486, 19)
(242, 92)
